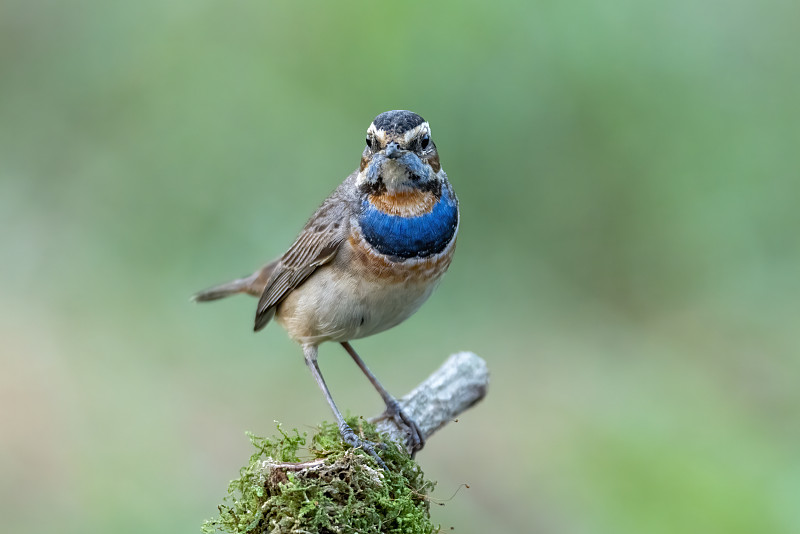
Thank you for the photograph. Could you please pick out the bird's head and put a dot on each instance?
(400, 155)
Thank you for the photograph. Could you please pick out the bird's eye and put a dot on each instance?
(425, 141)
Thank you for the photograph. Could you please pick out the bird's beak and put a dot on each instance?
(392, 151)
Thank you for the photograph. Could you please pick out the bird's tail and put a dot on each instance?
(252, 285)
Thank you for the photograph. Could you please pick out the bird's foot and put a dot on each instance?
(393, 411)
(354, 441)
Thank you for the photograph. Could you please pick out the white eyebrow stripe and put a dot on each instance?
(380, 135)
(417, 130)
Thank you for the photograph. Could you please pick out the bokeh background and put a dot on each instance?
(629, 176)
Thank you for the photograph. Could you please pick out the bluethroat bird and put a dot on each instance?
(366, 260)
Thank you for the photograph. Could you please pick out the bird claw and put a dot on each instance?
(354, 441)
(415, 440)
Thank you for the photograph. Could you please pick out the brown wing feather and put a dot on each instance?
(316, 245)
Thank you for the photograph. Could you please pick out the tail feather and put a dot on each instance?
(252, 285)
(220, 291)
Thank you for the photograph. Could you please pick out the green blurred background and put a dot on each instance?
(629, 174)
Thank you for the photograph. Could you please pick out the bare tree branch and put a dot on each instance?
(458, 384)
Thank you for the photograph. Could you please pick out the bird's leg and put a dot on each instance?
(349, 437)
(393, 410)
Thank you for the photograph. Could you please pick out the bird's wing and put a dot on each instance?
(316, 245)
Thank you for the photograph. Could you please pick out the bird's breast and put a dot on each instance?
(413, 224)
(397, 251)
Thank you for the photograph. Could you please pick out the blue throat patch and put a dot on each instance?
(410, 237)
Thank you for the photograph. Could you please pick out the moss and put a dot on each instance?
(334, 489)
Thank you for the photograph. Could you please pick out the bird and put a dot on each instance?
(366, 260)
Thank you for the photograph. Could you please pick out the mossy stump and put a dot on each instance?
(335, 489)
(338, 489)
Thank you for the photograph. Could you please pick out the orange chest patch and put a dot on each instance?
(404, 203)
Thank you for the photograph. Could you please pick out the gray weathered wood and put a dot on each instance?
(457, 385)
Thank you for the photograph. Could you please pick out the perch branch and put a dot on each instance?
(457, 385)
(453, 388)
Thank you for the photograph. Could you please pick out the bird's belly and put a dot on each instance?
(359, 294)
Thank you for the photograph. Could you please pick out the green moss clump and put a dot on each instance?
(336, 489)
